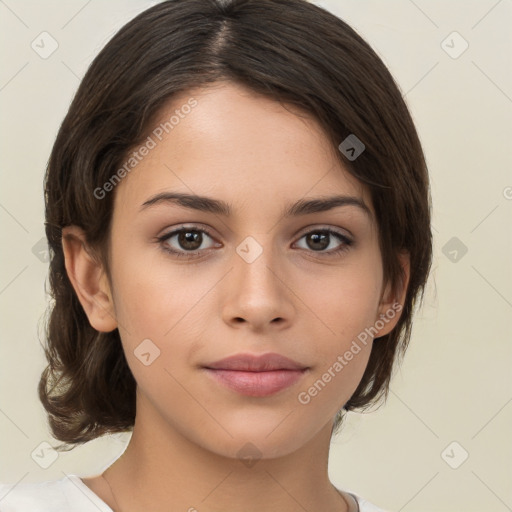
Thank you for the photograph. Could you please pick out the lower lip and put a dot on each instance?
(256, 383)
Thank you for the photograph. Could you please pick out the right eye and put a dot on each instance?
(185, 242)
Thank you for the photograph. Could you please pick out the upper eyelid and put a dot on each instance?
(194, 227)
(319, 227)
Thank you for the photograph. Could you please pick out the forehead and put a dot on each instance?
(227, 142)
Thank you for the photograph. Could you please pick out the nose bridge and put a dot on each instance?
(256, 292)
(254, 261)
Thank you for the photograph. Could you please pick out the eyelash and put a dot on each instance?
(345, 246)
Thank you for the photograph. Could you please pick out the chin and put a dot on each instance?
(260, 437)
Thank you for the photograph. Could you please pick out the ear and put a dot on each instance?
(392, 302)
(89, 280)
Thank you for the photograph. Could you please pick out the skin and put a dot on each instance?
(258, 156)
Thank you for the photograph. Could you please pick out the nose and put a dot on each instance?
(257, 295)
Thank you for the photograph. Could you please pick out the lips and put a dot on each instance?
(251, 363)
(256, 376)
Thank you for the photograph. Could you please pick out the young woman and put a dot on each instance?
(238, 211)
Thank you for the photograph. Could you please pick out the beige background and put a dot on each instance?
(455, 384)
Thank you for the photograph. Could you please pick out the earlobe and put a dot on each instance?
(89, 280)
(392, 302)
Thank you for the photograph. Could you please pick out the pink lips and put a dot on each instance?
(256, 375)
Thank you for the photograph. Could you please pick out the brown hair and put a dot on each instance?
(289, 50)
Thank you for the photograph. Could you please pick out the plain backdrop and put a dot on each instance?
(442, 441)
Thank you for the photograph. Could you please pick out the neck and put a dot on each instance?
(162, 469)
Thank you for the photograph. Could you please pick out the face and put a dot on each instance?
(194, 285)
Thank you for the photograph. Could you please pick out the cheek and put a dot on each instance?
(163, 314)
(151, 296)
(347, 306)
(342, 359)
(345, 302)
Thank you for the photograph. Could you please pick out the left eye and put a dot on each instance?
(319, 240)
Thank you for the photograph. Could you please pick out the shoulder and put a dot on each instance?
(69, 494)
(366, 506)
(362, 504)
(37, 497)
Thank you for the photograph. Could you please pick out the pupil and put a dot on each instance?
(190, 239)
(319, 240)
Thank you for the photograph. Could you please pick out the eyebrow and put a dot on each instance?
(216, 206)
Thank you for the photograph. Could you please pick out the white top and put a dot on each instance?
(70, 494)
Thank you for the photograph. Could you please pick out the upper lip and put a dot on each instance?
(256, 363)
